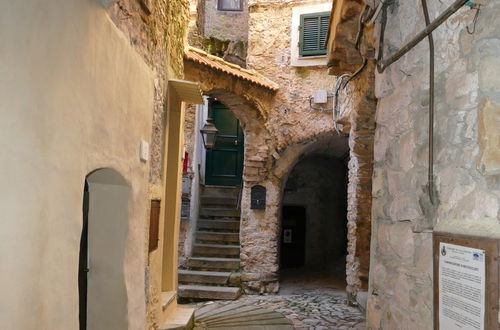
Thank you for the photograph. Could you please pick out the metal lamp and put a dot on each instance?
(209, 133)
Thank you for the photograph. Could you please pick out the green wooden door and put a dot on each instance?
(224, 163)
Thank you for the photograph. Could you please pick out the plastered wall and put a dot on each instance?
(74, 97)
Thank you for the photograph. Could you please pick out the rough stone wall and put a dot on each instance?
(278, 129)
(357, 106)
(291, 120)
(225, 25)
(157, 30)
(355, 116)
(466, 171)
(219, 33)
(186, 227)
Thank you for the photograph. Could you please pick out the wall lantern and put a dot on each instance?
(209, 133)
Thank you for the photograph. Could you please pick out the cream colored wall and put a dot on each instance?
(74, 96)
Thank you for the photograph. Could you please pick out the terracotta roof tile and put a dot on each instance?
(199, 56)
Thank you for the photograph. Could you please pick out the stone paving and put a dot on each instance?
(310, 299)
(318, 309)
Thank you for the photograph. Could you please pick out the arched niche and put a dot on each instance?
(102, 289)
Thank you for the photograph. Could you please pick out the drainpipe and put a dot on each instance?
(431, 105)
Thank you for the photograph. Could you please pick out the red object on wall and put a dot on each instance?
(185, 164)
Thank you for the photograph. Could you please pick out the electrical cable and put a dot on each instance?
(474, 21)
(335, 112)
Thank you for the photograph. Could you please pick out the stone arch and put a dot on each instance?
(260, 230)
(257, 137)
(327, 143)
(249, 100)
(313, 205)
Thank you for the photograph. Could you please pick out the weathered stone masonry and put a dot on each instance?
(467, 188)
(356, 117)
(466, 169)
(280, 128)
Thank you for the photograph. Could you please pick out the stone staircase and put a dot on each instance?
(212, 270)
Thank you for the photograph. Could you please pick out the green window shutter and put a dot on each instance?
(313, 32)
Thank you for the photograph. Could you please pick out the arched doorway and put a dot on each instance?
(314, 221)
(224, 162)
(101, 278)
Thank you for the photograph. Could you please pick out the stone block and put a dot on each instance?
(488, 81)
(402, 290)
(476, 205)
(489, 134)
(373, 312)
(405, 207)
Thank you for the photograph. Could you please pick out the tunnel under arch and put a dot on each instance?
(313, 226)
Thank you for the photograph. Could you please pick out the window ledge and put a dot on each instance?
(311, 57)
(309, 61)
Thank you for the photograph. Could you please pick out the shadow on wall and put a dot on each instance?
(101, 278)
(314, 217)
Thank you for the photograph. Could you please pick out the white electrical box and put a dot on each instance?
(144, 151)
(320, 96)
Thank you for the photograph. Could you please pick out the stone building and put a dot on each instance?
(425, 184)
(290, 148)
(87, 88)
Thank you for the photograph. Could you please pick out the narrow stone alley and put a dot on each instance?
(250, 164)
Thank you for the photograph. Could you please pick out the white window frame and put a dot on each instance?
(295, 58)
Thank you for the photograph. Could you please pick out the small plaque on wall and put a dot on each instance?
(258, 198)
(465, 282)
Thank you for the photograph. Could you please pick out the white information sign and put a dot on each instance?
(461, 287)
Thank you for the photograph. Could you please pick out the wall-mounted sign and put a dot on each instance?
(287, 236)
(258, 198)
(465, 282)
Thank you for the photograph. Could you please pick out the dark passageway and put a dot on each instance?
(314, 222)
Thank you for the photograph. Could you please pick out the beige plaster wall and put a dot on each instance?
(467, 184)
(74, 97)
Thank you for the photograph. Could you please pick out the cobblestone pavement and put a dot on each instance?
(311, 300)
(319, 309)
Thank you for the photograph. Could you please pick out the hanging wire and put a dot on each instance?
(474, 21)
(343, 80)
(335, 112)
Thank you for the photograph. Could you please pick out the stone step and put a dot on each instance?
(208, 292)
(204, 277)
(205, 263)
(220, 191)
(213, 236)
(181, 318)
(219, 212)
(216, 250)
(213, 224)
(211, 201)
